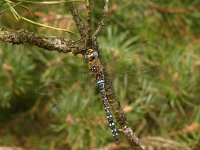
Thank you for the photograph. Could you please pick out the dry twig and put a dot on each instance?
(103, 19)
(89, 20)
(77, 18)
(171, 10)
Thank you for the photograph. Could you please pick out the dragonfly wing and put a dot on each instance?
(139, 48)
(132, 62)
(63, 105)
(49, 87)
(150, 72)
(46, 88)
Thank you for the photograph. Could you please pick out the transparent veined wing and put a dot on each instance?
(63, 105)
(132, 62)
(62, 92)
(49, 87)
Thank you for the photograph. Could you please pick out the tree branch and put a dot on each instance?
(50, 43)
(77, 18)
(103, 19)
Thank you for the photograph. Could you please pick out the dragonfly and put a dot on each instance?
(96, 67)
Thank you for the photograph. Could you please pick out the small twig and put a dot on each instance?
(77, 18)
(171, 10)
(46, 26)
(162, 143)
(196, 146)
(10, 148)
(50, 43)
(103, 19)
(89, 18)
(48, 2)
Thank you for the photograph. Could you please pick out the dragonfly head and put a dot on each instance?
(90, 55)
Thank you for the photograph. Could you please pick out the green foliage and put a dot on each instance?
(167, 106)
(17, 70)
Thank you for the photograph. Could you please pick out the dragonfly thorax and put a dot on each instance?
(94, 63)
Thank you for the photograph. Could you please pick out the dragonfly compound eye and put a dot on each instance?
(95, 54)
(91, 55)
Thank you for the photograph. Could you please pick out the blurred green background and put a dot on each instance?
(166, 106)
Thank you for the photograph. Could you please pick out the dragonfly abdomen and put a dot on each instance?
(109, 116)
